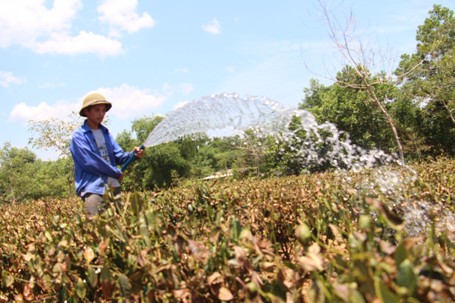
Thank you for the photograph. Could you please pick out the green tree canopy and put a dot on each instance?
(427, 77)
(351, 109)
(24, 177)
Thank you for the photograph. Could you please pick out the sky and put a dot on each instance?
(150, 57)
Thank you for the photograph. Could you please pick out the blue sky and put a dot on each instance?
(150, 57)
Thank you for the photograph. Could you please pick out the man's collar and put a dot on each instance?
(87, 128)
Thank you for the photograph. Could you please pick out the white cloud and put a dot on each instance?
(213, 27)
(121, 15)
(85, 42)
(7, 78)
(42, 111)
(129, 102)
(46, 26)
(23, 22)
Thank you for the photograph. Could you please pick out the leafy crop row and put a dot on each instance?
(331, 237)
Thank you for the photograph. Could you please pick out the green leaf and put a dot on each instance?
(406, 276)
(303, 233)
(81, 289)
(401, 254)
(384, 294)
(48, 282)
(137, 203)
(92, 277)
(144, 230)
(29, 256)
(106, 274)
(124, 283)
(48, 236)
(116, 233)
(364, 222)
(7, 279)
(236, 228)
(152, 220)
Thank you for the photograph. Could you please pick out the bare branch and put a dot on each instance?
(361, 64)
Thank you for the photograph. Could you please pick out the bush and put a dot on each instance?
(329, 237)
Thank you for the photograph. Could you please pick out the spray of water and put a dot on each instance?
(312, 144)
(218, 113)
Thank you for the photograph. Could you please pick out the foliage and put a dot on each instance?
(164, 165)
(53, 134)
(17, 173)
(428, 78)
(327, 237)
(215, 154)
(24, 177)
(53, 178)
(410, 122)
(143, 127)
(136, 174)
(195, 156)
(361, 62)
(352, 110)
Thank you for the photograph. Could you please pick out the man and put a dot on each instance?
(96, 155)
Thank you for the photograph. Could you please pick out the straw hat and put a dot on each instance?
(94, 99)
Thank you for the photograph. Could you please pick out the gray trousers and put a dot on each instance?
(95, 204)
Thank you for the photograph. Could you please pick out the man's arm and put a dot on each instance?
(91, 161)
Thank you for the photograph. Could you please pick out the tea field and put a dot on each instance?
(378, 235)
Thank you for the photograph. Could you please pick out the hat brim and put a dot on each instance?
(108, 106)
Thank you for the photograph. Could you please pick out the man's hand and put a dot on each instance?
(139, 152)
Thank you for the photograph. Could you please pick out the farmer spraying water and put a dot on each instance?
(96, 155)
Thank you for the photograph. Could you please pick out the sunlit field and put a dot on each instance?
(379, 235)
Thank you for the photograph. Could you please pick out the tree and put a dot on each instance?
(126, 141)
(56, 134)
(351, 109)
(16, 173)
(24, 177)
(53, 134)
(253, 147)
(409, 118)
(361, 61)
(144, 126)
(228, 153)
(165, 165)
(428, 78)
(160, 165)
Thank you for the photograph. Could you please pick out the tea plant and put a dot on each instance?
(329, 237)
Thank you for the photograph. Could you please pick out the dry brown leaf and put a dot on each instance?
(103, 246)
(183, 295)
(310, 262)
(215, 278)
(199, 251)
(28, 292)
(225, 294)
(89, 255)
(240, 254)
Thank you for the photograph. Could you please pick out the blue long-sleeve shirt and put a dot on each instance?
(90, 169)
